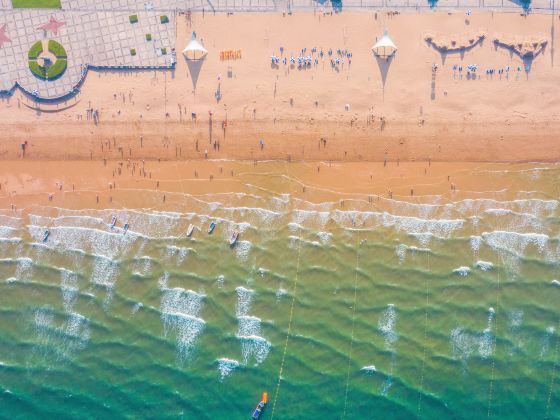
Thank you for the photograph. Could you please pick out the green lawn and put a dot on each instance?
(38, 4)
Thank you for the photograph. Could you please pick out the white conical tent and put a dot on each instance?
(385, 47)
(195, 50)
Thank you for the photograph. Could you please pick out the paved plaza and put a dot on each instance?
(99, 34)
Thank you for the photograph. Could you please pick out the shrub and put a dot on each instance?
(57, 49)
(164, 19)
(35, 50)
(164, 51)
(56, 70)
(132, 51)
(148, 37)
(37, 70)
(133, 18)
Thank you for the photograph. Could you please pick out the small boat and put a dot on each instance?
(113, 222)
(190, 230)
(234, 237)
(260, 406)
(46, 235)
(125, 228)
(211, 227)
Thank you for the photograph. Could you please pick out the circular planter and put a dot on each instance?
(47, 65)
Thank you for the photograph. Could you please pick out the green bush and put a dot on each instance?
(57, 49)
(57, 69)
(164, 51)
(35, 50)
(133, 18)
(37, 70)
(148, 37)
(164, 19)
(132, 51)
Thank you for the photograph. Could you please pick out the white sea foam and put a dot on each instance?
(369, 369)
(242, 250)
(515, 242)
(69, 288)
(475, 241)
(325, 237)
(484, 265)
(62, 340)
(253, 345)
(555, 283)
(24, 268)
(387, 324)
(294, 226)
(136, 308)
(462, 343)
(220, 280)
(462, 271)
(226, 367)
(244, 300)
(402, 250)
(280, 293)
(180, 253)
(180, 311)
(163, 280)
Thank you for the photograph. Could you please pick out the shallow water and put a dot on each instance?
(391, 309)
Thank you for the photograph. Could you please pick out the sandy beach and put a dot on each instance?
(514, 116)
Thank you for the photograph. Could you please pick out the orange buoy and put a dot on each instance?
(265, 397)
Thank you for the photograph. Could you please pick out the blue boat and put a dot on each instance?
(211, 227)
(260, 406)
(46, 235)
(125, 228)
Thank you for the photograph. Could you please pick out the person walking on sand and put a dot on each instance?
(205, 153)
(261, 142)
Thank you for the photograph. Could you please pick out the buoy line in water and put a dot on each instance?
(495, 320)
(423, 368)
(289, 332)
(353, 323)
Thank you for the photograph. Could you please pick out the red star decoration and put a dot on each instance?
(3, 37)
(52, 25)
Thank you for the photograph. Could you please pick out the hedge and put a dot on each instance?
(148, 37)
(164, 51)
(132, 51)
(37, 70)
(57, 49)
(133, 18)
(35, 50)
(164, 19)
(56, 69)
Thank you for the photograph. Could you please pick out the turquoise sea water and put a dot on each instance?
(392, 309)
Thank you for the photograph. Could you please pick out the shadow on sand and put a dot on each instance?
(384, 63)
(194, 69)
(444, 52)
(526, 57)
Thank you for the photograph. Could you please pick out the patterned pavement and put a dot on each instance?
(99, 34)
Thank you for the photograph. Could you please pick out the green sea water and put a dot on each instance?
(393, 309)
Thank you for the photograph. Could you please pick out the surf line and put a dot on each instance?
(289, 332)
(353, 324)
(422, 371)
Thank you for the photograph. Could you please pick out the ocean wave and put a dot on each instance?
(226, 367)
(462, 271)
(180, 311)
(484, 265)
